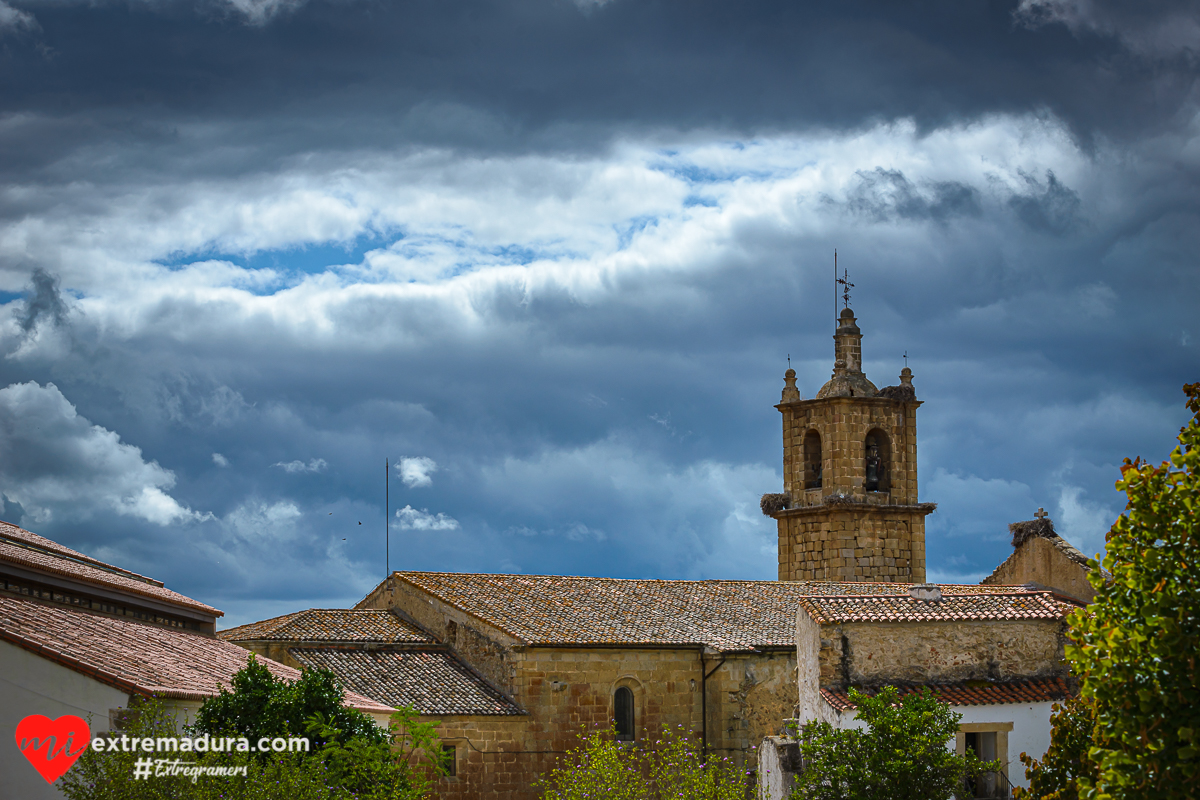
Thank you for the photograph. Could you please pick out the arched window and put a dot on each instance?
(623, 713)
(812, 460)
(877, 461)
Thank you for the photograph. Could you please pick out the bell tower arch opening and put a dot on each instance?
(812, 460)
(877, 461)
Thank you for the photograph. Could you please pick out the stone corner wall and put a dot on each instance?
(779, 763)
(1038, 561)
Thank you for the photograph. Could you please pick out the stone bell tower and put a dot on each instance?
(849, 509)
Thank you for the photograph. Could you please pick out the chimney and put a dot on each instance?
(925, 591)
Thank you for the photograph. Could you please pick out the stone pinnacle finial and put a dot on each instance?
(790, 392)
(906, 376)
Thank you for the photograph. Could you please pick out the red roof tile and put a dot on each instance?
(331, 625)
(133, 656)
(430, 681)
(726, 615)
(1011, 605)
(22, 548)
(973, 693)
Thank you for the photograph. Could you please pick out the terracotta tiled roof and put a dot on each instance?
(133, 656)
(331, 625)
(974, 693)
(431, 681)
(726, 615)
(22, 548)
(1011, 605)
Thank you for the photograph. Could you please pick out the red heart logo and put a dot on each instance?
(63, 740)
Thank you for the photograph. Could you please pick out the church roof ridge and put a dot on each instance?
(331, 625)
(728, 615)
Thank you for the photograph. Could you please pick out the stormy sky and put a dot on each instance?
(550, 258)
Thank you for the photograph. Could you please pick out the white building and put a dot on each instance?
(995, 655)
(84, 638)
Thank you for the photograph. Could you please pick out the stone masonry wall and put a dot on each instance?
(873, 653)
(484, 647)
(568, 689)
(852, 543)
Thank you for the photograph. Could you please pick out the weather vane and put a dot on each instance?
(846, 287)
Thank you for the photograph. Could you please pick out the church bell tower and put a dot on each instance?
(849, 509)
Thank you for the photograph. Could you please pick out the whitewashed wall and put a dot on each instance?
(30, 684)
(1030, 732)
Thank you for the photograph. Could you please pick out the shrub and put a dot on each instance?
(901, 755)
(672, 769)
(1136, 645)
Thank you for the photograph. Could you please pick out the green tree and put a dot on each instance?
(1056, 776)
(1135, 647)
(900, 755)
(352, 758)
(259, 704)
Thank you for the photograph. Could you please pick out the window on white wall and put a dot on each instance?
(989, 741)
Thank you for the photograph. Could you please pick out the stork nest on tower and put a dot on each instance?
(772, 504)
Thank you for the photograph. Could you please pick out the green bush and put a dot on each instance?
(673, 768)
(901, 755)
(351, 758)
(259, 704)
(1135, 647)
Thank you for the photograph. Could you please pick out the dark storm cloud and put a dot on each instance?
(43, 301)
(1047, 206)
(886, 194)
(563, 254)
(536, 73)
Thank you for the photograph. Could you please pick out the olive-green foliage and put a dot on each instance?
(110, 775)
(1055, 776)
(672, 768)
(350, 758)
(259, 704)
(1136, 645)
(901, 755)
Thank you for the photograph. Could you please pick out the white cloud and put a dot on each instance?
(417, 471)
(15, 19)
(458, 229)
(56, 463)
(313, 465)
(412, 519)
(1081, 522)
(980, 508)
(220, 460)
(255, 520)
(259, 12)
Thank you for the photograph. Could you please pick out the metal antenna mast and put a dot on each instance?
(387, 517)
(835, 282)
